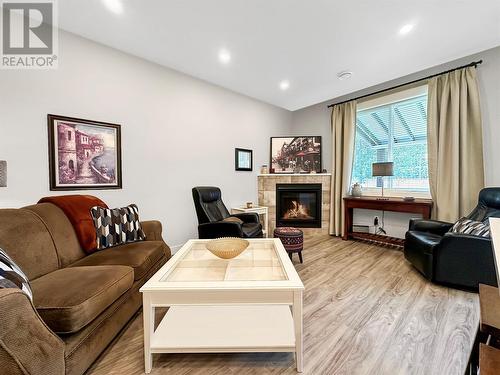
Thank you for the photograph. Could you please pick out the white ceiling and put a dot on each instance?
(306, 42)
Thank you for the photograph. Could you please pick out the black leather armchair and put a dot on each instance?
(211, 213)
(459, 260)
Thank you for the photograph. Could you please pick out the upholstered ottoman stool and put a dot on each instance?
(292, 240)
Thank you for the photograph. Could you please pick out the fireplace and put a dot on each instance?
(298, 205)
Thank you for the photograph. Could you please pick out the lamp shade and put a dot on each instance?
(383, 169)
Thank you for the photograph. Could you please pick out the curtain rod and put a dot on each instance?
(474, 64)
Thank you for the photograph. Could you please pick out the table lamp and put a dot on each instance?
(382, 170)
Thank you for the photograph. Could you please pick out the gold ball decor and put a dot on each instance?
(227, 247)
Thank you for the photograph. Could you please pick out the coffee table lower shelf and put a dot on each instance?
(225, 329)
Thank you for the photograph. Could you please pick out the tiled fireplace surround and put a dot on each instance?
(267, 196)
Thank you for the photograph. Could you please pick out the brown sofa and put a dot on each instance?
(80, 301)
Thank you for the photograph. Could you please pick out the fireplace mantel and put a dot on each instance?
(267, 195)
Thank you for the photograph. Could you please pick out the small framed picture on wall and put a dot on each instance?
(84, 154)
(243, 159)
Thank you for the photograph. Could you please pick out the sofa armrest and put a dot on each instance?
(248, 217)
(464, 260)
(153, 230)
(431, 226)
(27, 345)
(219, 229)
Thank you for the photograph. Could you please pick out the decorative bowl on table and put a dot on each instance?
(227, 247)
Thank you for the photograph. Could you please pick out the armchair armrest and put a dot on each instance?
(248, 217)
(27, 345)
(220, 229)
(464, 260)
(153, 230)
(432, 226)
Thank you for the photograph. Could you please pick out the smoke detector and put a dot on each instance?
(344, 75)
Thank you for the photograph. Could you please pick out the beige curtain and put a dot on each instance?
(343, 130)
(455, 143)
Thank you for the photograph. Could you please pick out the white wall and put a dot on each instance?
(177, 131)
(315, 120)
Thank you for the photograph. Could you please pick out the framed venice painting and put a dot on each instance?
(84, 154)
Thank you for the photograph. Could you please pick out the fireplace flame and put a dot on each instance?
(298, 211)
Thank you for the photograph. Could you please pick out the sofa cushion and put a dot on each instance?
(474, 228)
(61, 230)
(116, 226)
(70, 298)
(24, 236)
(77, 209)
(141, 256)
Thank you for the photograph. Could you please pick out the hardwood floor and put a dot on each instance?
(366, 311)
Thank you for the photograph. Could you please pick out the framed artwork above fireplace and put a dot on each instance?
(295, 154)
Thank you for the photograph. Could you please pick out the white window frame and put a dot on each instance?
(386, 99)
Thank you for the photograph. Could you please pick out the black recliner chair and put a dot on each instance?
(211, 212)
(459, 260)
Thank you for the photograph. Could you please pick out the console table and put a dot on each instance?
(417, 206)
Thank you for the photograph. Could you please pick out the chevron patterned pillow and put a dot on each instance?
(11, 276)
(116, 226)
(468, 226)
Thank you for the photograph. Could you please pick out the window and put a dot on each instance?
(395, 129)
(69, 135)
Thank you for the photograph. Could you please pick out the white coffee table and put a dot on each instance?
(252, 303)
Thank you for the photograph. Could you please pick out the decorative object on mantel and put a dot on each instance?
(3, 173)
(356, 190)
(84, 154)
(295, 154)
(249, 204)
(382, 170)
(264, 169)
(227, 247)
(243, 159)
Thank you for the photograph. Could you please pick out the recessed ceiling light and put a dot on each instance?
(224, 56)
(284, 85)
(116, 6)
(344, 75)
(406, 29)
